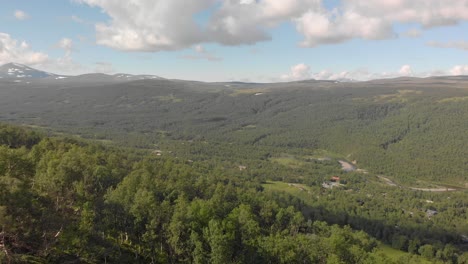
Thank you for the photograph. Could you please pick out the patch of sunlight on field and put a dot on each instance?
(395, 254)
(289, 161)
(247, 92)
(453, 99)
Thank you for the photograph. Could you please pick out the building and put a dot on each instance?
(335, 179)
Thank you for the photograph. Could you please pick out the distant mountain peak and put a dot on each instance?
(17, 70)
(13, 64)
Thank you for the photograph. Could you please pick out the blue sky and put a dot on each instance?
(223, 40)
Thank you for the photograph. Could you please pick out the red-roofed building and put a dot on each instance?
(335, 179)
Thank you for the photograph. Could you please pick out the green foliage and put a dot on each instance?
(408, 130)
(64, 200)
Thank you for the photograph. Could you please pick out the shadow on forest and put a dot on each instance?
(377, 228)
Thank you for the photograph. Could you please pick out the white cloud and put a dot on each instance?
(65, 64)
(20, 15)
(154, 25)
(12, 50)
(297, 72)
(324, 28)
(353, 75)
(405, 70)
(453, 44)
(375, 19)
(67, 45)
(300, 71)
(459, 70)
(303, 72)
(247, 2)
(200, 49)
(248, 23)
(428, 13)
(149, 25)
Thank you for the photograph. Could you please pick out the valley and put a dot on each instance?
(402, 128)
(234, 132)
(378, 165)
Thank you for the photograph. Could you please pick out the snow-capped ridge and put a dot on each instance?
(19, 71)
(16, 70)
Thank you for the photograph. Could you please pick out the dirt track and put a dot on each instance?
(434, 189)
(346, 166)
(440, 189)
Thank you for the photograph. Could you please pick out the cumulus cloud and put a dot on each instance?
(12, 50)
(375, 19)
(67, 45)
(154, 25)
(303, 72)
(405, 70)
(428, 13)
(149, 25)
(248, 22)
(20, 15)
(297, 72)
(63, 65)
(453, 44)
(200, 49)
(459, 70)
(325, 28)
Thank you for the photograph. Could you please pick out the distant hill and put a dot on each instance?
(15, 70)
(405, 128)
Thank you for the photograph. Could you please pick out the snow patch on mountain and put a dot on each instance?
(15, 70)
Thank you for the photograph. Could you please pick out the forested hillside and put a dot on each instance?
(234, 132)
(408, 129)
(65, 200)
(164, 171)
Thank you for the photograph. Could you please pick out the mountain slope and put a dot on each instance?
(405, 128)
(19, 73)
(15, 70)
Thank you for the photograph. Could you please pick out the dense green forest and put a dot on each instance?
(68, 200)
(410, 130)
(168, 171)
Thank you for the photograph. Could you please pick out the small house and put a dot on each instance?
(330, 185)
(335, 179)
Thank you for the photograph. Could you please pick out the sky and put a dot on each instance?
(239, 40)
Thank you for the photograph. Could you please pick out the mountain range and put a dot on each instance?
(406, 128)
(20, 71)
(15, 72)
